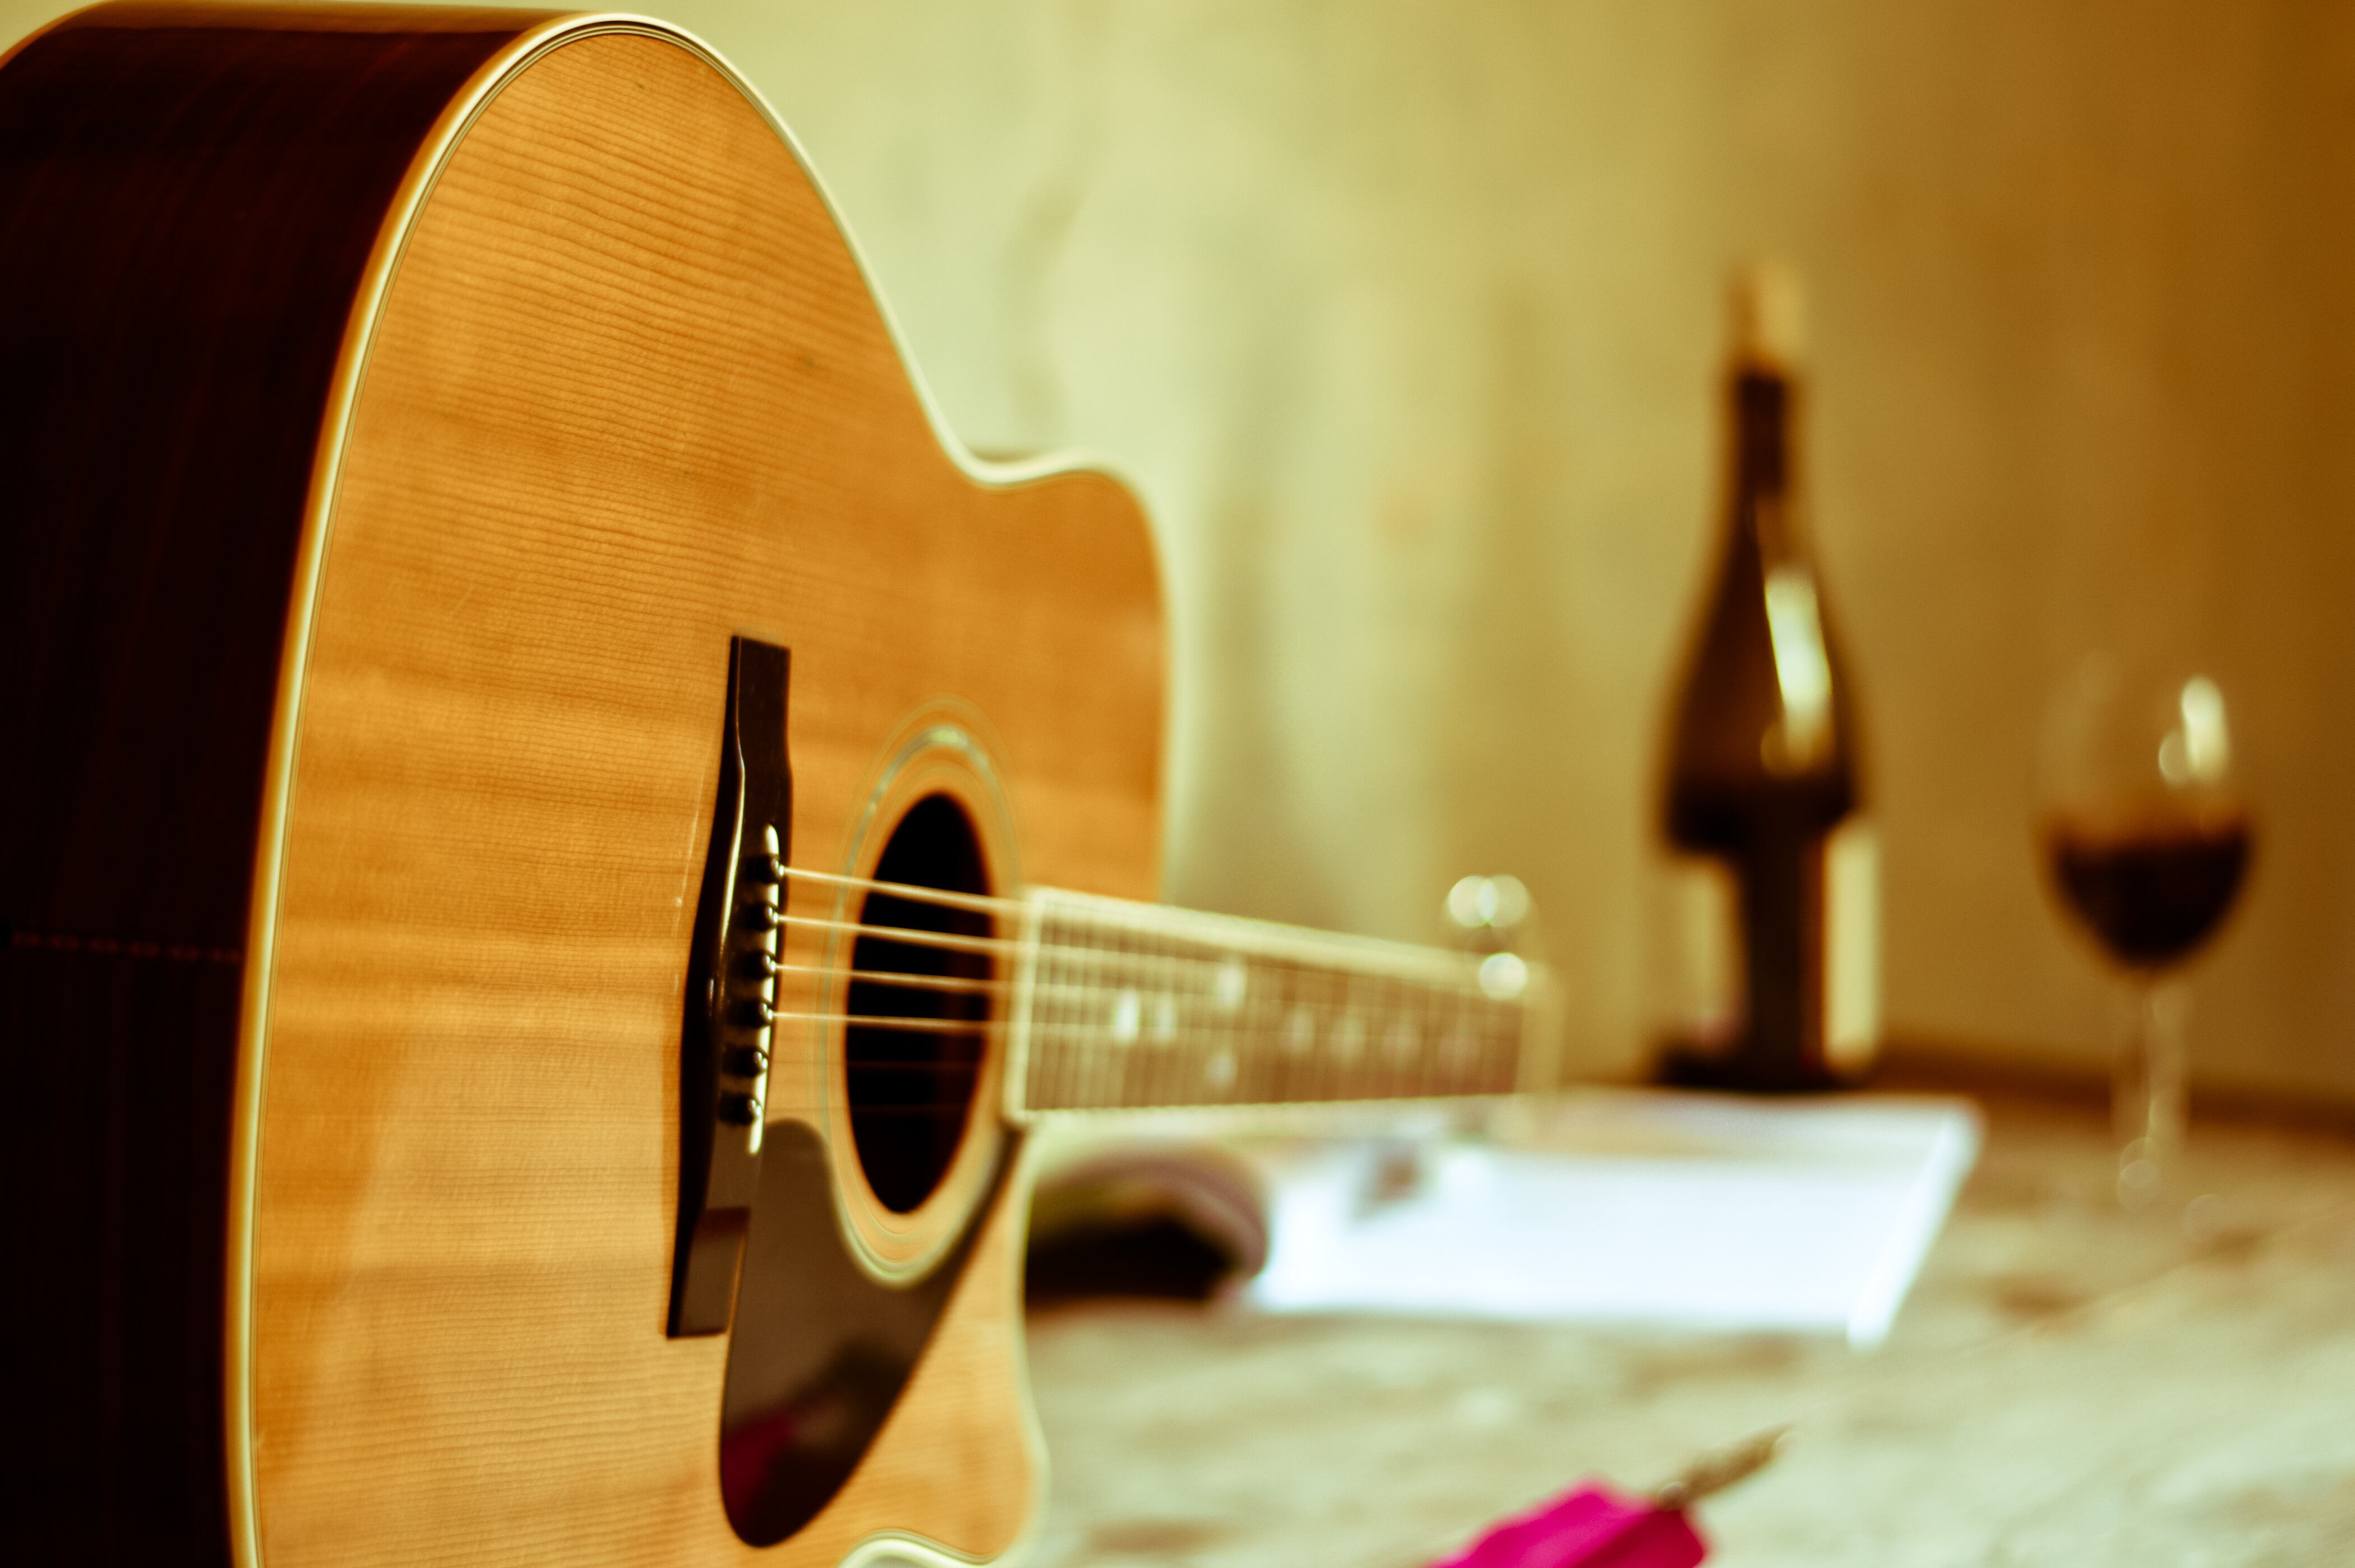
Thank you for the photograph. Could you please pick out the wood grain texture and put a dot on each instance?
(164, 361)
(627, 394)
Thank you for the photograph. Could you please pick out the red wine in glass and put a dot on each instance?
(2144, 827)
(2151, 891)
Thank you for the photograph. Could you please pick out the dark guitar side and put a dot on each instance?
(185, 210)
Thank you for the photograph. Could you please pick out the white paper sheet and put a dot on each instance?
(1696, 1212)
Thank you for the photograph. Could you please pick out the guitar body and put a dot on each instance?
(368, 693)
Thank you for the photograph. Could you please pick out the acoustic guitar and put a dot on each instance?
(561, 834)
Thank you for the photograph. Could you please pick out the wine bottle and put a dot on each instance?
(1773, 866)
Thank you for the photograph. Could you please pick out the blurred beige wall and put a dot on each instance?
(1406, 319)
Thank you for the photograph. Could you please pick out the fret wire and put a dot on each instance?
(1348, 1043)
(1397, 1028)
(1399, 1032)
(1126, 1090)
(1076, 1062)
(1061, 1088)
(1135, 1083)
(1180, 1063)
(1114, 1087)
(1351, 1029)
(1197, 1067)
(1087, 1069)
(1087, 1065)
(1393, 1067)
(1277, 1023)
(1253, 1077)
(1046, 1058)
(1092, 1067)
(1165, 1065)
(1091, 1072)
(1104, 1063)
(1219, 1041)
(1168, 1067)
(1332, 1065)
(1432, 1065)
(1310, 1057)
(1110, 1072)
(1222, 1042)
(1144, 1074)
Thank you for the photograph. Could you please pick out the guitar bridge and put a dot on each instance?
(731, 994)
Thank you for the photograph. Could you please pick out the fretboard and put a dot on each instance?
(1123, 1006)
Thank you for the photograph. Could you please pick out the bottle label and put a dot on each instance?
(1852, 944)
(1701, 913)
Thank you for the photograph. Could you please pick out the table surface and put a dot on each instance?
(2067, 1383)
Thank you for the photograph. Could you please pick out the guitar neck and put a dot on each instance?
(1120, 1005)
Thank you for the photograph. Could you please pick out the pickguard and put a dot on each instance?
(822, 1349)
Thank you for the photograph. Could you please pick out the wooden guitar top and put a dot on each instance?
(440, 393)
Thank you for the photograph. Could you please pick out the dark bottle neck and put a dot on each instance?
(1766, 476)
(1760, 747)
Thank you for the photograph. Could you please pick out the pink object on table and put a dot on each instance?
(1588, 1528)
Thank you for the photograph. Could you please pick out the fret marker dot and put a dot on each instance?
(1127, 1012)
(1400, 1041)
(1230, 982)
(1299, 1032)
(1164, 1021)
(1503, 976)
(1350, 1037)
(1221, 1070)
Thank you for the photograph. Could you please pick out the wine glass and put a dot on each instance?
(2145, 831)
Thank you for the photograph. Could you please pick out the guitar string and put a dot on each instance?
(1466, 978)
(1458, 1000)
(1262, 1042)
(1140, 924)
(1420, 994)
(899, 981)
(913, 893)
(1158, 1040)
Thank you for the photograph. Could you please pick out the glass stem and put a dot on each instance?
(2148, 1093)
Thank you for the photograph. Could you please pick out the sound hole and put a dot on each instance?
(911, 1087)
